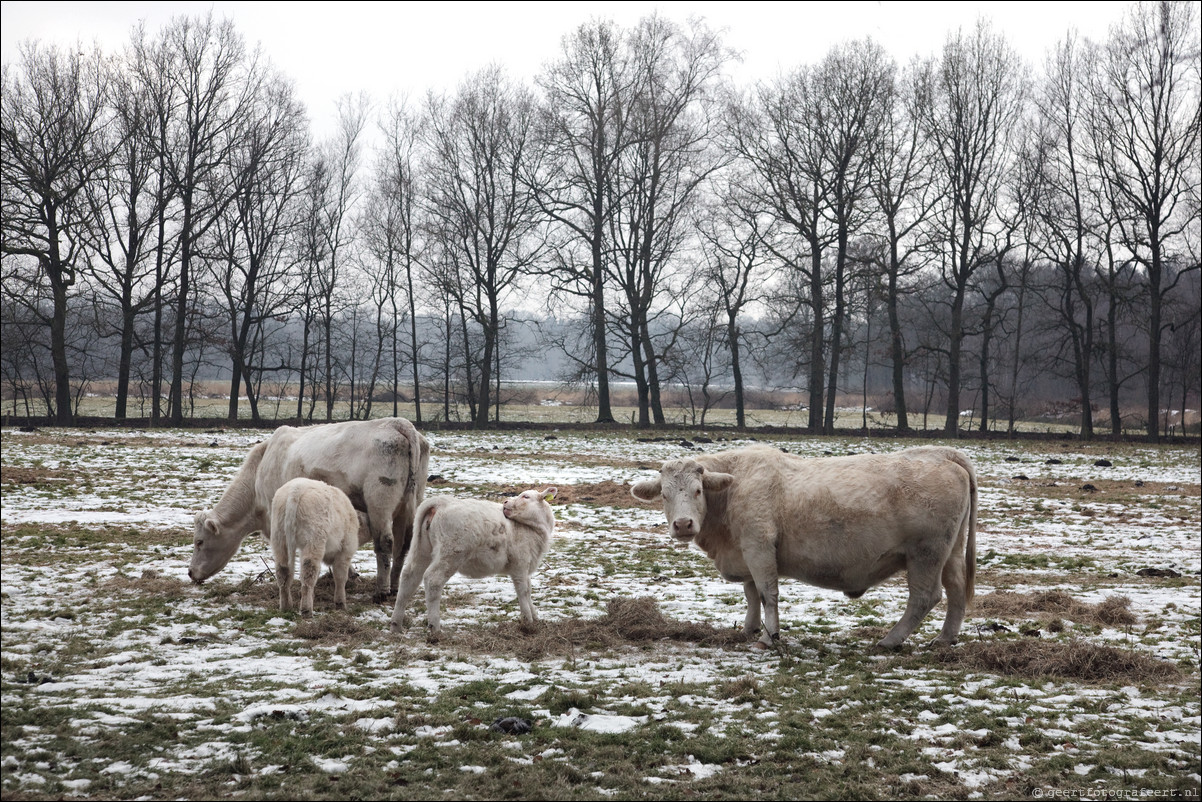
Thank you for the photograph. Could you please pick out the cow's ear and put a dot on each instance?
(211, 527)
(549, 494)
(715, 482)
(647, 490)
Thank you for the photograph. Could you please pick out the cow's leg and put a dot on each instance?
(955, 582)
(402, 536)
(766, 582)
(922, 577)
(411, 578)
(751, 624)
(521, 583)
(381, 540)
(310, 569)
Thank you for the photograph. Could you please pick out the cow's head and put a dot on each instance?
(212, 547)
(684, 485)
(531, 507)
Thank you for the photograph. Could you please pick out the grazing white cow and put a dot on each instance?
(475, 538)
(317, 523)
(844, 523)
(380, 464)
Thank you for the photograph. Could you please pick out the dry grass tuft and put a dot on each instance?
(336, 628)
(626, 621)
(1112, 612)
(151, 582)
(1073, 660)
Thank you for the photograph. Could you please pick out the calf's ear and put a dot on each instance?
(647, 490)
(549, 494)
(715, 482)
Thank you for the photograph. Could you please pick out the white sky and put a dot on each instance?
(409, 47)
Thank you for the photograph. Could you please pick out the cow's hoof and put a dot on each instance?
(760, 646)
(396, 627)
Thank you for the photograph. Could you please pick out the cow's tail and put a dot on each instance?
(419, 458)
(970, 549)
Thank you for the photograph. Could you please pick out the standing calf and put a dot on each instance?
(316, 521)
(477, 539)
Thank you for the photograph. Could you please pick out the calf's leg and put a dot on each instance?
(521, 583)
(310, 568)
(438, 574)
(283, 572)
(411, 578)
(341, 569)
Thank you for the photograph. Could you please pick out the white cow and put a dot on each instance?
(317, 523)
(475, 538)
(844, 523)
(380, 464)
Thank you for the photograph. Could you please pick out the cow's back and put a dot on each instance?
(829, 520)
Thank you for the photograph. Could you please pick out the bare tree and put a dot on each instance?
(52, 148)
(851, 85)
(213, 83)
(735, 269)
(481, 148)
(126, 203)
(392, 237)
(902, 186)
(336, 179)
(658, 176)
(1148, 95)
(1055, 164)
(253, 269)
(584, 129)
(975, 97)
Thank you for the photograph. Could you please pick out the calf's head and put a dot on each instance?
(212, 547)
(533, 507)
(683, 484)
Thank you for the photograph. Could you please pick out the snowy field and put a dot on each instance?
(121, 679)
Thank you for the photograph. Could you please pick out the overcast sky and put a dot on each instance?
(409, 47)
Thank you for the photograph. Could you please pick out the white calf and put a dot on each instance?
(316, 521)
(475, 538)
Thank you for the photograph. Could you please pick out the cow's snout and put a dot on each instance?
(684, 528)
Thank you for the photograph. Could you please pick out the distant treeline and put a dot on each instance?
(955, 233)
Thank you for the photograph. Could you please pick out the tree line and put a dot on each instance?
(952, 232)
